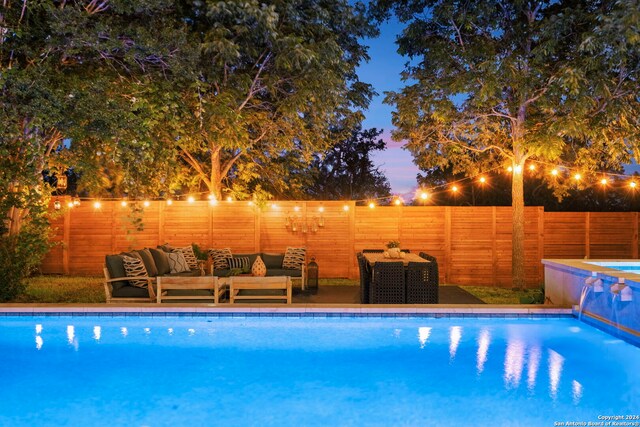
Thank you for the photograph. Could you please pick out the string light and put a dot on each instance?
(56, 205)
(321, 209)
(345, 208)
(372, 205)
(454, 188)
(169, 202)
(97, 205)
(123, 203)
(510, 169)
(296, 208)
(146, 203)
(424, 195)
(70, 205)
(213, 201)
(229, 199)
(577, 176)
(554, 172)
(532, 167)
(604, 181)
(397, 201)
(482, 180)
(517, 169)
(633, 184)
(191, 199)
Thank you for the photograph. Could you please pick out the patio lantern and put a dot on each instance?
(61, 182)
(312, 276)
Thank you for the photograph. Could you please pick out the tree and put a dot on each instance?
(346, 171)
(498, 82)
(263, 82)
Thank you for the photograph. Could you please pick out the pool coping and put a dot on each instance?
(311, 310)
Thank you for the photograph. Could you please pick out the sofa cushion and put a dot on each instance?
(177, 263)
(294, 258)
(189, 256)
(161, 260)
(166, 247)
(252, 258)
(134, 267)
(130, 292)
(272, 260)
(115, 267)
(284, 272)
(190, 273)
(148, 261)
(219, 257)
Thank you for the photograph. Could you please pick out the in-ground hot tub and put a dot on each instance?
(608, 289)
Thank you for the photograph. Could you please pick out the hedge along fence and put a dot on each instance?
(472, 244)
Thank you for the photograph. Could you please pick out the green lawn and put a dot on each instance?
(89, 290)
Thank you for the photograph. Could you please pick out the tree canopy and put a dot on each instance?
(498, 83)
(346, 170)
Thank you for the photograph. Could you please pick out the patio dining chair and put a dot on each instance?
(387, 283)
(365, 278)
(422, 283)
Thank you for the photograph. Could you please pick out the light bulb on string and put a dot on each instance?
(532, 167)
(424, 195)
(554, 172)
(345, 208)
(97, 205)
(146, 203)
(454, 188)
(372, 205)
(510, 169)
(229, 199)
(517, 169)
(604, 181)
(321, 209)
(633, 185)
(482, 180)
(169, 202)
(191, 199)
(577, 176)
(123, 203)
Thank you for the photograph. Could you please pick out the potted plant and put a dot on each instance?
(393, 247)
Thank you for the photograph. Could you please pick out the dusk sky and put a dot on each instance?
(383, 72)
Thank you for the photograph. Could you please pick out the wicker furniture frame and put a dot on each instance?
(387, 283)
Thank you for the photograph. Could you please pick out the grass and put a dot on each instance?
(63, 289)
(55, 289)
(495, 295)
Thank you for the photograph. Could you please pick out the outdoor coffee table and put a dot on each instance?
(189, 283)
(261, 288)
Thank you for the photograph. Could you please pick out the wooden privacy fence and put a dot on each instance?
(472, 244)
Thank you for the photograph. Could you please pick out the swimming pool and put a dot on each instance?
(151, 371)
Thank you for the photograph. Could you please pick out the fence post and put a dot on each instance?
(66, 232)
(540, 243)
(587, 235)
(447, 244)
(257, 233)
(634, 243)
(494, 248)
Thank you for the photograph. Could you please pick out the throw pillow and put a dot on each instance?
(189, 256)
(148, 261)
(134, 267)
(177, 263)
(161, 260)
(258, 268)
(220, 258)
(166, 247)
(294, 258)
(240, 262)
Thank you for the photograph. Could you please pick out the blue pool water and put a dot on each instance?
(197, 371)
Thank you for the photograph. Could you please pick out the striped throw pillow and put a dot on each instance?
(240, 262)
(220, 258)
(189, 256)
(294, 258)
(177, 263)
(134, 267)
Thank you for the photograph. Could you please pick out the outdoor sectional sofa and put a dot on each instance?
(119, 289)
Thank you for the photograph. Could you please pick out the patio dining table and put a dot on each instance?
(373, 257)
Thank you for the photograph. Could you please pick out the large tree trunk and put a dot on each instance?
(517, 205)
(215, 181)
